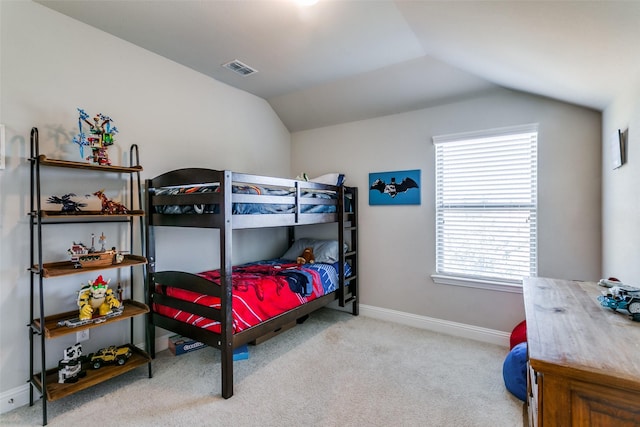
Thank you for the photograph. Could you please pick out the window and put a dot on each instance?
(486, 207)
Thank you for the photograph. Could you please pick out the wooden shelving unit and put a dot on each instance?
(51, 326)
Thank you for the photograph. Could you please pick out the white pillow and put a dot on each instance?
(329, 179)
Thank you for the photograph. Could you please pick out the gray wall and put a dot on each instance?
(397, 243)
(621, 194)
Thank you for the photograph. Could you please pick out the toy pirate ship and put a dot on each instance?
(83, 256)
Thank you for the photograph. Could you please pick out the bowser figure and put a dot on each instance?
(96, 296)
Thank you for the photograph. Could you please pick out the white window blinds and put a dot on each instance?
(486, 202)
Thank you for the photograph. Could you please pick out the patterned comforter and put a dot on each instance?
(260, 291)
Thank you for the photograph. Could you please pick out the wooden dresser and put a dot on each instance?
(584, 359)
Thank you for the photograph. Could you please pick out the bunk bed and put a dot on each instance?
(205, 306)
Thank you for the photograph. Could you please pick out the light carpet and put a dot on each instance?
(333, 370)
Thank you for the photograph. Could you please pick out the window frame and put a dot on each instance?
(498, 284)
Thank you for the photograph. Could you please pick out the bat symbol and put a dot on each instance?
(393, 188)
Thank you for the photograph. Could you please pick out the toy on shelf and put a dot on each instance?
(71, 204)
(109, 206)
(96, 296)
(83, 256)
(68, 205)
(110, 355)
(100, 137)
(75, 322)
(70, 367)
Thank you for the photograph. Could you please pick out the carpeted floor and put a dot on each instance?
(333, 370)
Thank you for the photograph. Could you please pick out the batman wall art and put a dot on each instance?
(394, 188)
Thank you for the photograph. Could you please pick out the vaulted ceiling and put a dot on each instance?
(343, 60)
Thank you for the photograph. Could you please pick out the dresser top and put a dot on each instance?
(569, 332)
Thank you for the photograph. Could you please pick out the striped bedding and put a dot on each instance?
(261, 291)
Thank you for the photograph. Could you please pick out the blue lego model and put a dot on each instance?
(622, 298)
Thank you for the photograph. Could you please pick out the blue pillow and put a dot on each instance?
(514, 371)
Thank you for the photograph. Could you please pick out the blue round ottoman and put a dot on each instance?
(514, 371)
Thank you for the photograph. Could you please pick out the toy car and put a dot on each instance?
(110, 355)
(621, 298)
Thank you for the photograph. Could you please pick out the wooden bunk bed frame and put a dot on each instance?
(226, 222)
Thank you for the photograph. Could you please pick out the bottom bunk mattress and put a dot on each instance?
(261, 291)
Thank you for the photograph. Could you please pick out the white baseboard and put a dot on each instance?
(14, 398)
(438, 325)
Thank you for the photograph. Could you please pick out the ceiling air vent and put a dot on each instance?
(240, 68)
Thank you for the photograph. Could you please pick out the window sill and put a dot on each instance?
(477, 283)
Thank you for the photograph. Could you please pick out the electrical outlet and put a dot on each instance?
(82, 335)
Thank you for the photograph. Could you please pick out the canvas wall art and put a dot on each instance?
(395, 188)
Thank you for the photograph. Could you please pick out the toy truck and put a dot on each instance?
(110, 355)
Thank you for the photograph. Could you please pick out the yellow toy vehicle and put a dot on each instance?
(110, 355)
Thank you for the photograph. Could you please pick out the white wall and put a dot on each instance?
(620, 194)
(397, 242)
(51, 64)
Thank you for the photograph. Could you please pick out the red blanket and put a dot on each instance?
(259, 293)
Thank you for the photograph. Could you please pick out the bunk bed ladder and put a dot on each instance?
(348, 232)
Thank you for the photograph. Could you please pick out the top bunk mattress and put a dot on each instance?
(196, 197)
(247, 208)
